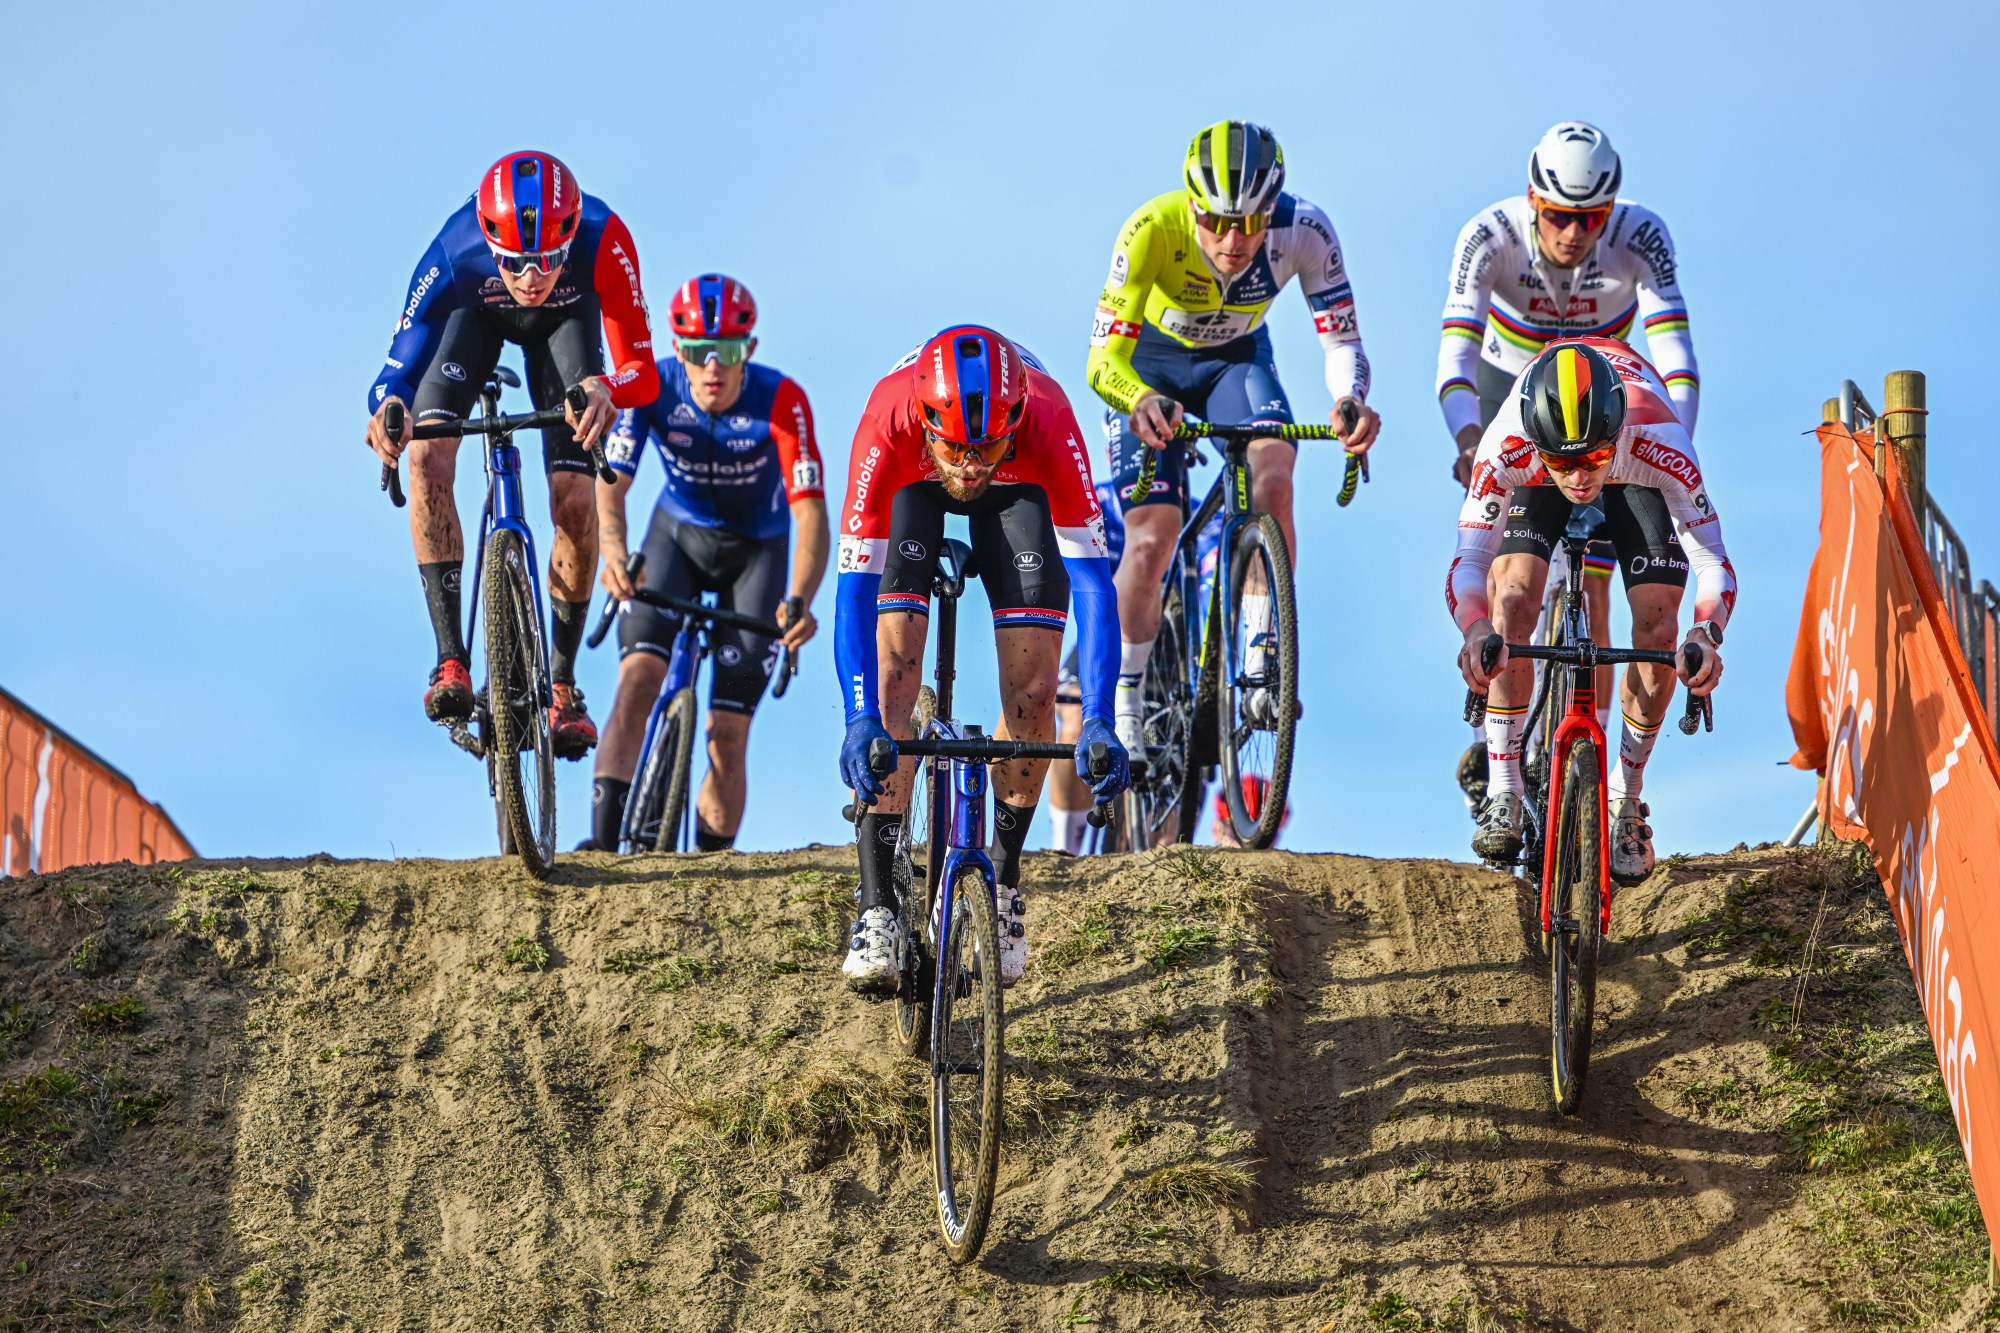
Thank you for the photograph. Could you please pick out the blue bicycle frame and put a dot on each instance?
(965, 843)
(506, 509)
(683, 668)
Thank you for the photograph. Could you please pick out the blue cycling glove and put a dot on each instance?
(1099, 732)
(854, 770)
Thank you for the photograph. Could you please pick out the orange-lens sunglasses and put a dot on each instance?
(1220, 224)
(991, 452)
(1596, 458)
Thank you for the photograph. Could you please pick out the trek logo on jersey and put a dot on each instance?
(417, 297)
(1670, 461)
(631, 273)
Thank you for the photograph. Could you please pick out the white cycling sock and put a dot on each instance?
(1258, 631)
(1635, 747)
(1066, 829)
(1503, 749)
(1132, 659)
(1604, 717)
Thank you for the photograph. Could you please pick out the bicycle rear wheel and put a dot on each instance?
(1159, 774)
(913, 877)
(1257, 717)
(518, 694)
(1576, 904)
(967, 1067)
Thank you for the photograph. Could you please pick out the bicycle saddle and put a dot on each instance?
(1585, 520)
(503, 375)
(954, 567)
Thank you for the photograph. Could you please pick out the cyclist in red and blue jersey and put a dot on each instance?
(742, 469)
(968, 424)
(531, 260)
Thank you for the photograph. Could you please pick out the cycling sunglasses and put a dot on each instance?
(548, 261)
(1596, 458)
(699, 351)
(1562, 219)
(991, 452)
(1221, 224)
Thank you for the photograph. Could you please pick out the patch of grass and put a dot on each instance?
(339, 908)
(678, 973)
(122, 1012)
(1152, 1277)
(131, 1112)
(526, 951)
(1089, 937)
(1136, 1133)
(79, 957)
(15, 1020)
(775, 1038)
(1265, 993)
(1722, 1097)
(1177, 945)
(627, 961)
(1391, 1311)
(785, 967)
(1197, 1183)
(1197, 866)
(32, 1106)
(821, 1108)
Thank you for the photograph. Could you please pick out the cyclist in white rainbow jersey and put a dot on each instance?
(1567, 259)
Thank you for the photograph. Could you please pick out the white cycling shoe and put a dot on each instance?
(1131, 731)
(1013, 920)
(1631, 840)
(873, 946)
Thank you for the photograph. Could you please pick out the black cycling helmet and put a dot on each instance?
(1572, 401)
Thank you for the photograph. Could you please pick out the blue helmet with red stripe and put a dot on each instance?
(971, 385)
(713, 305)
(529, 204)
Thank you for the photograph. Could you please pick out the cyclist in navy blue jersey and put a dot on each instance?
(742, 469)
(531, 260)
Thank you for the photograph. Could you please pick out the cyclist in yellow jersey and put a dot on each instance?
(1180, 328)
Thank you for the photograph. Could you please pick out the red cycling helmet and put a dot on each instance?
(529, 204)
(713, 305)
(972, 385)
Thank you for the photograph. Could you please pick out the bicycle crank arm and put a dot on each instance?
(467, 740)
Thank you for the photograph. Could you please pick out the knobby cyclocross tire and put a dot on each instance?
(518, 696)
(677, 744)
(1576, 904)
(911, 874)
(1545, 716)
(968, 1068)
(1156, 788)
(1245, 752)
(1200, 751)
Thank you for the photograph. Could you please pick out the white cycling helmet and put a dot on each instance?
(1574, 166)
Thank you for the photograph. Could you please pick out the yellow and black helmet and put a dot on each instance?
(1572, 401)
(1235, 168)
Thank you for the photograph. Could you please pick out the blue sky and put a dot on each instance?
(219, 207)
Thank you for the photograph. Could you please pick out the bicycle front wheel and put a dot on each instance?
(518, 695)
(913, 879)
(677, 745)
(1159, 773)
(1575, 905)
(967, 1066)
(1258, 711)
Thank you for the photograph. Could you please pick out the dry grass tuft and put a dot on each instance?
(1197, 1183)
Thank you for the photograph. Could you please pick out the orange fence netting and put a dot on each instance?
(1883, 705)
(62, 806)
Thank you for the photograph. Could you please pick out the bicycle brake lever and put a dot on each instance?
(392, 473)
(881, 757)
(1475, 702)
(1100, 815)
(1700, 712)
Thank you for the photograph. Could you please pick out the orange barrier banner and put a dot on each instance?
(1883, 705)
(62, 806)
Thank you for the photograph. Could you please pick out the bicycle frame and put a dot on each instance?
(505, 508)
(1229, 492)
(683, 669)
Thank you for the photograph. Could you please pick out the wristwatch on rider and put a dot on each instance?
(1710, 630)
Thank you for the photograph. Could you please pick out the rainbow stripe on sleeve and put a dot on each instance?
(1667, 321)
(1458, 385)
(1532, 337)
(1465, 328)
(1684, 379)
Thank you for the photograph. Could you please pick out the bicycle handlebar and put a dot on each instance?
(1350, 414)
(635, 567)
(393, 418)
(883, 756)
(1700, 707)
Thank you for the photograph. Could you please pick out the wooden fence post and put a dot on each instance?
(1903, 424)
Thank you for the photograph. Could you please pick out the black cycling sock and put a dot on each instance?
(570, 618)
(1010, 831)
(441, 581)
(607, 811)
(876, 839)
(704, 841)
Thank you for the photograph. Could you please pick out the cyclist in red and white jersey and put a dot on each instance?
(1569, 258)
(967, 425)
(1591, 422)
